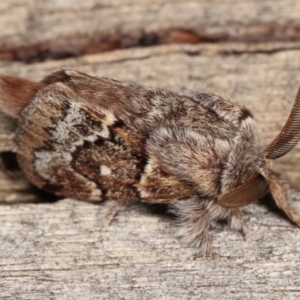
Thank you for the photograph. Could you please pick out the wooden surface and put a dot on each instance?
(34, 30)
(56, 250)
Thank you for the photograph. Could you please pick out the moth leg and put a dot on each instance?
(281, 194)
(112, 208)
(234, 217)
(193, 218)
(236, 221)
(195, 215)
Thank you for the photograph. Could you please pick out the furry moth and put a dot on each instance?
(97, 139)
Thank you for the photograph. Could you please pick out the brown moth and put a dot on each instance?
(97, 139)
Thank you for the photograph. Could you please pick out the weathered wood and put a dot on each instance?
(57, 251)
(34, 29)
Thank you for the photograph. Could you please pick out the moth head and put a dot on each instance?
(261, 183)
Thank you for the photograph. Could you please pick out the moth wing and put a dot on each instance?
(78, 150)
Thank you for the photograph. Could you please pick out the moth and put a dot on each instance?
(97, 139)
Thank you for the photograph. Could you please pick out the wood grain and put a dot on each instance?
(57, 251)
(33, 30)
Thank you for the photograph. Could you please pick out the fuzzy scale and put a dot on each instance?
(98, 139)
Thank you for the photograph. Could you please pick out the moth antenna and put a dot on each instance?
(16, 93)
(245, 194)
(289, 135)
(280, 193)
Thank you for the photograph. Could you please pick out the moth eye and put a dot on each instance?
(245, 194)
(289, 135)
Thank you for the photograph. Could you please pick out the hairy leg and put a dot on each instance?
(111, 209)
(234, 217)
(193, 222)
(194, 216)
(281, 194)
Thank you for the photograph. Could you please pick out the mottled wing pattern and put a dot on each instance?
(75, 150)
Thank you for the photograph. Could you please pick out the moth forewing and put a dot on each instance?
(87, 153)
